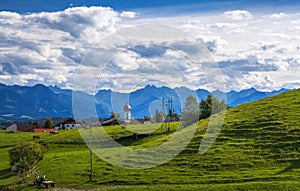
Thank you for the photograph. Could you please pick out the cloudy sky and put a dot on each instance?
(253, 44)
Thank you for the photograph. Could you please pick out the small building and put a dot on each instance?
(68, 123)
(22, 127)
(127, 113)
(111, 122)
(147, 122)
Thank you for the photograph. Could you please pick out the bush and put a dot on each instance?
(24, 156)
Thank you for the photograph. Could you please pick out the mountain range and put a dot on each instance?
(40, 101)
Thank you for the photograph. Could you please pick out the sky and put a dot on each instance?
(252, 43)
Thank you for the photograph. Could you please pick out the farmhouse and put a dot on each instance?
(67, 123)
(22, 127)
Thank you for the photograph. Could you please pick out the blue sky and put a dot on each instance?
(26, 6)
(254, 43)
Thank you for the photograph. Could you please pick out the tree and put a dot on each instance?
(205, 108)
(158, 117)
(115, 115)
(172, 116)
(211, 105)
(24, 156)
(190, 112)
(48, 123)
(147, 118)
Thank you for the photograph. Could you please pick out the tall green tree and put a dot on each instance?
(211, 105)
(48, 123)
(190, 113)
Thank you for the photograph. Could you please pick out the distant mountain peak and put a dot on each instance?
(57, 102)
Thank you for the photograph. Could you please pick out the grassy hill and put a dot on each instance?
(257, 149)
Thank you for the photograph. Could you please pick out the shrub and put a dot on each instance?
(24, 156)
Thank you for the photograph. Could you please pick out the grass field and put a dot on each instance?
(257, 149)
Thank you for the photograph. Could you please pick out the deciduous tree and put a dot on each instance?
(190, 112)
(24, 156)
(48, 123)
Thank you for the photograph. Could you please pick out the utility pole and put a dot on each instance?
(171, 108)
(168, 121)
(164, 115)
(91, 155)
(170, 114)
(163, 106)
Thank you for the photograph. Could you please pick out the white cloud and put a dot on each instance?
(214, 43)
(127, 61)
(238, 14)
(46, 47)
(172, 54)
(278, 15)
(297, 28)
(86, 23)
(253, 50)
(128, 14)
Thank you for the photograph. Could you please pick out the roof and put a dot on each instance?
(127, 107)
(111, 122)
(66, 121)
(26, 127)
(44, 130)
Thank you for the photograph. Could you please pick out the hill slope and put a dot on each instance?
(257, 149)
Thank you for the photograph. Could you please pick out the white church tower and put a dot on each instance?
(127, 113)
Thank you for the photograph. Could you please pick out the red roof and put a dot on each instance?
(44, 130)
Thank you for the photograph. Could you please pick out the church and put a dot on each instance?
(127, 113)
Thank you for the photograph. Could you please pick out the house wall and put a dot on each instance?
(67, 126)
(12, 127)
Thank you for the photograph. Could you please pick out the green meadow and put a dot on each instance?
(258, 148)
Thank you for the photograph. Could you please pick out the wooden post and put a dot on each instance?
(91, 156)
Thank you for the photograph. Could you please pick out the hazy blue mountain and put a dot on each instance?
(39, 101)
(244, 96)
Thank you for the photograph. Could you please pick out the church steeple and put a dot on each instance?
(127, 113)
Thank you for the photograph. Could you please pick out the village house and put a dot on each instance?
(68, 123)
(22, 127)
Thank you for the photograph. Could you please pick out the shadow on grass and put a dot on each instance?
(294, 165)
(16, 187)
(5, 173)
(25, 187)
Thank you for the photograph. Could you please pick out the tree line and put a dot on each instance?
(191, 113)
(194, 111)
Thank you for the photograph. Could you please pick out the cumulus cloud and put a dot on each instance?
(238, 14)
(259, 46)
(214, 43)
(127, 61)
(278, 15)
(87, 23)
(47, 46)
(128, 14)
(252, 50)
